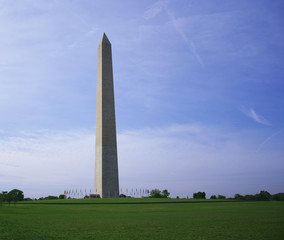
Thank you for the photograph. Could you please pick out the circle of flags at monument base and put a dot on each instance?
(124, 192)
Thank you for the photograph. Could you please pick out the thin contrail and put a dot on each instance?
(180, 31)
(269, 138)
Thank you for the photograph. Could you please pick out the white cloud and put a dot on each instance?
(94, 30)
(154, 10)
(47, 162)
(182, 158)
(189, 158)
(256, 117)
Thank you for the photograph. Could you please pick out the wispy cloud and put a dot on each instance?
(47, 161)
(269, 138)
(154, 10)
(256, 117)
(94, 30)
(163, 6)
(174, 156)
(171, 157)
(180, 31)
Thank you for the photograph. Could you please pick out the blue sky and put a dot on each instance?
(198, 90)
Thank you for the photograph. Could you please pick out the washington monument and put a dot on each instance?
(106, 169)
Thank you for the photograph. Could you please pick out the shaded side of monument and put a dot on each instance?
(106, 166)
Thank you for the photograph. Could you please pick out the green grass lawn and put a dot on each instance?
(218, 220)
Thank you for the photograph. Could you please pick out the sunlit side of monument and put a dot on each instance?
(106, 167)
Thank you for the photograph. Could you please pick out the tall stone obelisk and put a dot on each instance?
(106, 167)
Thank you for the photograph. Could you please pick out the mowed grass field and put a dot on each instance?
(206, 220)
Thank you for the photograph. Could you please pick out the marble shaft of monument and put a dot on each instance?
(106, 166)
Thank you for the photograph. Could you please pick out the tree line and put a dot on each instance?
(16, 195)
(261, 196)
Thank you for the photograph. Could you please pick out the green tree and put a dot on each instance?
(278, 197)
(16, 195)
(221, 197)
(213, 197)
(155, 193)
(50, 197)
(249, 197)
(263, 196)
(8, 198)
(239, 197)
(165, 193)
(199, 195)
(1, 198)
(62, 196)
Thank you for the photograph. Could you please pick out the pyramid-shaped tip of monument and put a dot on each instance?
(105, 39)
